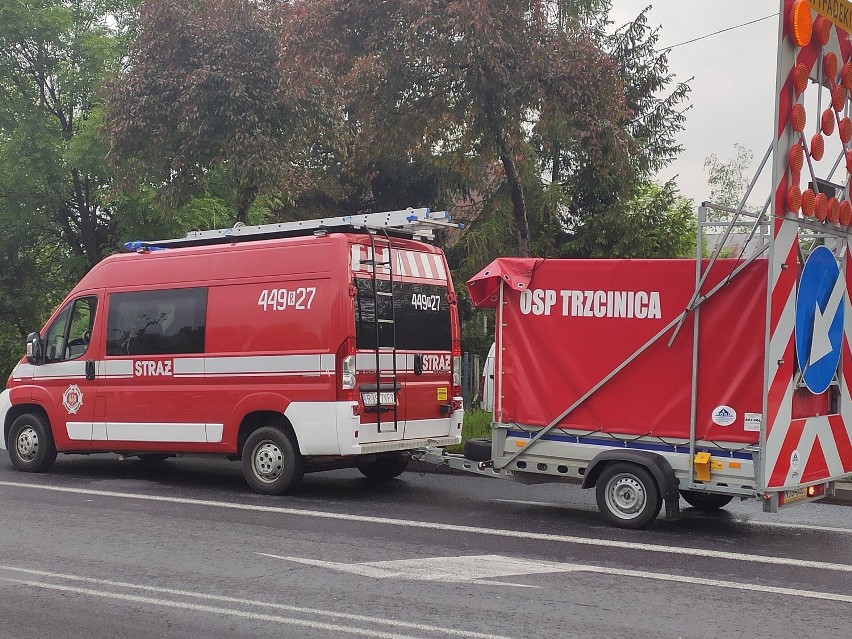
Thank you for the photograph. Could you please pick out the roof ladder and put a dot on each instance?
(417, 223)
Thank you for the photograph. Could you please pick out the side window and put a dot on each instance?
(54, 338)
(69, 335)
(168, 322)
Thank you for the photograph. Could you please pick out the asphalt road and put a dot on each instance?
(101, 548)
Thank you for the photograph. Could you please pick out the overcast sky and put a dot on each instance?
(734, 80)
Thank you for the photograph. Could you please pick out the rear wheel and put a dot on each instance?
(384, 468)
(272, 463)
(705, 501)
(31, 447)
(627, 495)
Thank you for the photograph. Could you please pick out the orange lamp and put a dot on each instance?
(808, 203)
(821, 207)
(828, 120)
(817, 147)
(802, 22)
(829, 65)
(798, 118)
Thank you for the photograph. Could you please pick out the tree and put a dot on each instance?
(203, 91)
(53, 56)
(728, 180)
(57, 215)
(656, 222)
(461, 79)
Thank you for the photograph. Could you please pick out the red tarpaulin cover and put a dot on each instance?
(568, 323)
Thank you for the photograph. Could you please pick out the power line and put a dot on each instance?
(736, 26)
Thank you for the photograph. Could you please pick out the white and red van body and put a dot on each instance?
(191, 349)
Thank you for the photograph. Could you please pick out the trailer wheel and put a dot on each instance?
(384, 468)
(627, 495)
(31, 447)
(272, 463)
(478, 449)
(705, 501)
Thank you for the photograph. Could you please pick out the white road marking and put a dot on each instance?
(740, 520)
(234, 600)
(480, 569)
(254, 616)
(407, 523)
(470, 569)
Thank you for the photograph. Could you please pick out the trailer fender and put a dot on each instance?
(655, 464)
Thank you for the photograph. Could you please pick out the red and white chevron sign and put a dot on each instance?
(802, 444)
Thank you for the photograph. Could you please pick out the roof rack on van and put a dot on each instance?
(417, 223)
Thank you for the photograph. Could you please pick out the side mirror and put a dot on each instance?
(35, 349)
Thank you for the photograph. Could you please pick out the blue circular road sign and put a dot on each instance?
(819, 319)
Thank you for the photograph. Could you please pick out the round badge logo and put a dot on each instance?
(724, 416)
(72, 399)
(795, 460)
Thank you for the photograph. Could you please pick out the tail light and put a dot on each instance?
(346, 370)
(457, 372)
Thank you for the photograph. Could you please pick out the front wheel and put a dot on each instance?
(627, 495)
(705, 501)
(272, 463)
(384, 468)
(31, 447)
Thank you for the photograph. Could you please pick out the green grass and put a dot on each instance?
(477, 423)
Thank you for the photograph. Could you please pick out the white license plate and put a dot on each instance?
(388, 398)
(792, 496)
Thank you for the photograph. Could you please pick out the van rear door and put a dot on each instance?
(415, 317)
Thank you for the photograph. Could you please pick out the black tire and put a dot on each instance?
(30, 445)
(627, 495)
(705, 501)
(152, 459)
(385, 467)
(478, 449)
(272, 463)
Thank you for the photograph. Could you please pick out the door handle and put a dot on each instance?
(418, 364)
(90, 369)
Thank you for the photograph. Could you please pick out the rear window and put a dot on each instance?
(418, 314)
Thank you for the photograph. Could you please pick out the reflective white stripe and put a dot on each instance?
(59, 370)
(424, 258)
(367, 362)
(115, 368)
(145, 432)
(356, 257)
(439, 267)
(189, 366)
(269, 364)
(415, 271)
(5, 406)
(23, 370)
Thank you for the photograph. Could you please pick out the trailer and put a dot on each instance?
(708, 379)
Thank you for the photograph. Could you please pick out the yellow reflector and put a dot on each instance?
(520, 444)
(702, 466)
(733, 464)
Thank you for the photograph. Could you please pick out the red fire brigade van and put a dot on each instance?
(293, 347)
